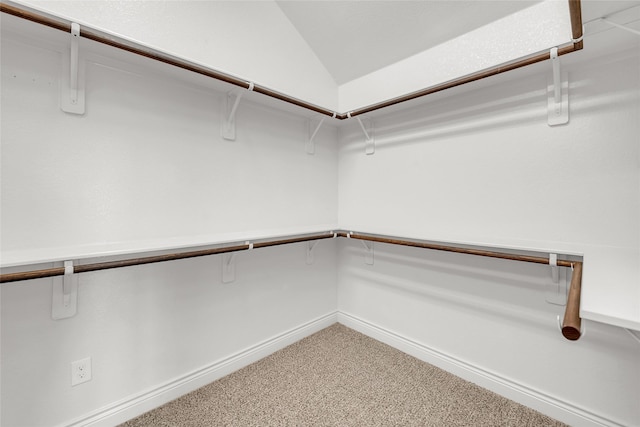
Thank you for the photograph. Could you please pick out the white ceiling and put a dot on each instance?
(353, 38)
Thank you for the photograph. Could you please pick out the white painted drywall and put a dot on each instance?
(146, 163)
(482, 165)
(251, 40)
(487, 321)
(145, 327)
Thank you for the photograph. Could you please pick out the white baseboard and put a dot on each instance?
(138, 404)
(541, 402)
(130, 407)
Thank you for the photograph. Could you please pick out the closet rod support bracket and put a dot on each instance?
(557, 93)
(553, 263)
(72, 79)
(310, 254)
(367, 129)
(620, 26)
(64, 302)
(230, 107)
(557, 288)
(368, 257)
(229, 267)
(313, 131)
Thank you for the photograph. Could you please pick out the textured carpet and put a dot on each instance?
(339, 377)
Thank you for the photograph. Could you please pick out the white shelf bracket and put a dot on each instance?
(633, 334)
(368, 247)
(72, 81)
(231, 103)
(229, 122)
(310, 247)
(229, 267)
(622, 27)
(557, 93)
(313, 131)
(367, 128)
(556, 289)
(553, 262)
(64, 302)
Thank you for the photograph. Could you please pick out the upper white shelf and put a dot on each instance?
(521, 38)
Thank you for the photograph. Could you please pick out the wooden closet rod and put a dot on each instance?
(570, 326)
(98, 36)
(456, 249)
(85, 268)
(95, 35)
(575, 12)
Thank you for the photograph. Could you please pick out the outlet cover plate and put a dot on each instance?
(80, 371)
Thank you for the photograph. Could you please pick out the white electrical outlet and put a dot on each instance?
(80, 371)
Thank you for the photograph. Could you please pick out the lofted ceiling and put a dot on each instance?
(354, 38)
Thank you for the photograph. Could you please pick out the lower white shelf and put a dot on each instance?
(610, 279)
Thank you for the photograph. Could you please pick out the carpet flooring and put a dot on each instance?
(339, 377)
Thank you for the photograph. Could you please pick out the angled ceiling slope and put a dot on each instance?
(355, 38)
(382, 53)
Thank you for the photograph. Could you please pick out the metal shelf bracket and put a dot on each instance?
(229, 267)
(64, 302)
(622, 27)
(367, 128)
(311, 146)
(553, 262)
(557, 289)
(72, 93)
(368, 257)
(310, 246)
(230, 106)
(557, 93)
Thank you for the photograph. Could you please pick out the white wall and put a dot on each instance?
(146, 163)
(487, 321)
(481, 165)
(148, 145)
(251, 40)
(149, 329)
(477, 166)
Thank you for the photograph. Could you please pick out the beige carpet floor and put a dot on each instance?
(339, 377)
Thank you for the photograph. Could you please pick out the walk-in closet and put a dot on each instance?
(389, 212)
